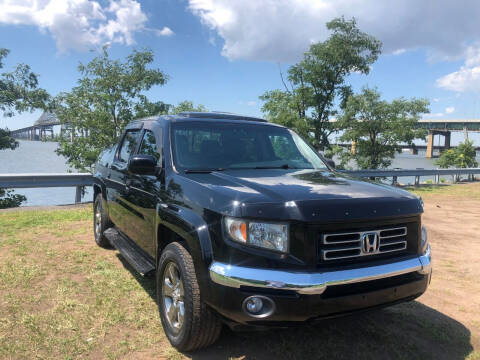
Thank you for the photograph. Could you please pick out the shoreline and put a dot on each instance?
(49, 207)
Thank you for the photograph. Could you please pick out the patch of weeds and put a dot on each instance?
(13, 221)
(18, 274)
(81, 256)
(475, 355)
(9, 240)
(172, 354)
(470, 191)
(21, 249)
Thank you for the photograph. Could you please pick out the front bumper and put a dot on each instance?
(239, 282)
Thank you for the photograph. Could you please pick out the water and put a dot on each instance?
(40, 157)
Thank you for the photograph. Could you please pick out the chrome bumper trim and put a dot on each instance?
(313, 282)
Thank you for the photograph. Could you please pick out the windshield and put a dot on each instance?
(210, 146)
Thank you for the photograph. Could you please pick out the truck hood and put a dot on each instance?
(307, 195)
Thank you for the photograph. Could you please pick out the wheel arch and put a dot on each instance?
(96, 190)
(184, 226)
(100, 188)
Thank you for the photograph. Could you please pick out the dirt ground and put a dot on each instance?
(63, 297)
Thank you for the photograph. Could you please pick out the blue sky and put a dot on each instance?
(225, 54)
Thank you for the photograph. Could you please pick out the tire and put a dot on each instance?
(200, 327)
(100, 223)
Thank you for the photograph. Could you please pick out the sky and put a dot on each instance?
(224, 54)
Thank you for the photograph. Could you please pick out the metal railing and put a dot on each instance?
(79, 180)
(417, 173)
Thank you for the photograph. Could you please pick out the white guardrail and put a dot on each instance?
(79, 180)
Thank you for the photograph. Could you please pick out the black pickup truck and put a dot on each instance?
(243, 223)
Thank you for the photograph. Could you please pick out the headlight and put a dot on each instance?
(264, 235)
(424, 238)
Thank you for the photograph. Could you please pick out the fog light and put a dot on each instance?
(254, 305)
(258, 306)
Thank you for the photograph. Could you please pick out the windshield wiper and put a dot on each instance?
(201, 171)
(284, 166)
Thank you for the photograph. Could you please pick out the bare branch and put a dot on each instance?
(283, 81)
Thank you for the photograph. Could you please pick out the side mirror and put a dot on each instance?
(330, 163)
(142, 165)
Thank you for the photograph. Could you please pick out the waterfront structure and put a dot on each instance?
(436, 127)
(42, 128)
(444, 127)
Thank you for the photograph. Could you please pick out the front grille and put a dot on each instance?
(345, 245)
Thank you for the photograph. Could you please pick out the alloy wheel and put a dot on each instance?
(98, 221)
(173, 297)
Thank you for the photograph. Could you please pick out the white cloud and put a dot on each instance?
(399, 51)
(433, 115)
(281, 30)
(448, 110)
(166, 31)
(436, 99)
(80, 24)
(467, 78)
(247, 103)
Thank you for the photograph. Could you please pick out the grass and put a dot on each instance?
(460, 190)
(62, 297)
(65, 298)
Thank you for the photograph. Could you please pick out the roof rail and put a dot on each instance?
(218, 115)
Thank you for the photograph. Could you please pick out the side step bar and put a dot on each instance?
(134, 255)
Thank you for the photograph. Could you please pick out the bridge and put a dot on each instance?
(443, 127)
(437, 127)
(42, 129)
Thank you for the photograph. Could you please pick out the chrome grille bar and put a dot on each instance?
(346, 245)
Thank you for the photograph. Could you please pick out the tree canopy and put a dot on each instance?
(186, 105)
(6, 141)
(19, 89)
(308, 100)
(19, 92)
(463, 156)
(109, 94)
(378, 127)
(7, 197)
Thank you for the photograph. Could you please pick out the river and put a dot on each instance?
(40, 157)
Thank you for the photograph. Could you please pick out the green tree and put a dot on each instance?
(6, 141)
(463, 156)
(19, 89)
(186, 105)
(308, 101)
(7, 197)
(109, 94)
(18, 92)
(378, 127)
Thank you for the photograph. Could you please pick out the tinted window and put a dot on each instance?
(128, 145)
(106, 157)
(149, 145)
(203, 145)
